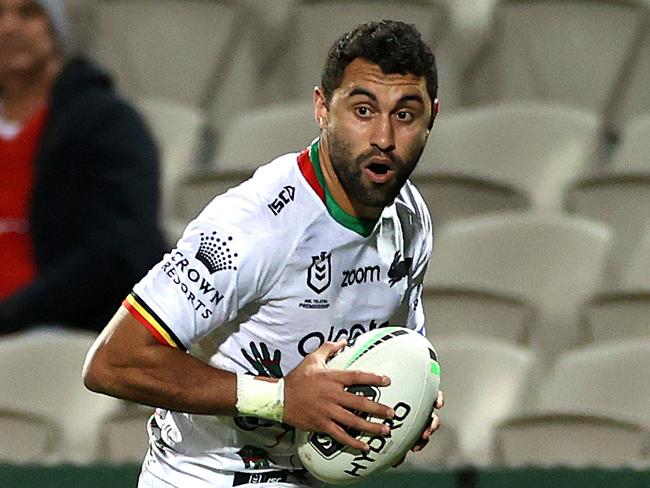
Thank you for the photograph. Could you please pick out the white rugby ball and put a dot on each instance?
(411, 363)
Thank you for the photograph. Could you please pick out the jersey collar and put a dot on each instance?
(309, 163)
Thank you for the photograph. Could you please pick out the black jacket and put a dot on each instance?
(94, 211)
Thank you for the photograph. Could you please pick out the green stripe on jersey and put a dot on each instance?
(361, 226)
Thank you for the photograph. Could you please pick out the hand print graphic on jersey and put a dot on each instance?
(263, 363)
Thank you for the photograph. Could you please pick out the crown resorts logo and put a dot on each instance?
(215, 253)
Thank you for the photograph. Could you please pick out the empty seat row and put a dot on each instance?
(224, 56)
(534, 279)
(504, 405)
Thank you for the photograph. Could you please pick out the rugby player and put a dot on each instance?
(228, 336)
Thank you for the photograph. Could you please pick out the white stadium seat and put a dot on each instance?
(575, 52)
(197, 52)
(176, 127)
(506, 156)
(592, 409)
(550, 263)
(623, 311)
(314, 26)
(619, 195)
(40, 375)
(254, 138)
(124, 435)
(484, 381)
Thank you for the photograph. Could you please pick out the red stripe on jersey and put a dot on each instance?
(308, 172)
(138, 316)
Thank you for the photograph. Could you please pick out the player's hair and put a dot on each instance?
(397, 47)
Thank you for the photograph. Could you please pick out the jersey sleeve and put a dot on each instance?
(218, 266)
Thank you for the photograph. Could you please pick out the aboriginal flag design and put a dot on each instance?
(147, 317)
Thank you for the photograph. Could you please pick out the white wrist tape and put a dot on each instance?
(258, 398)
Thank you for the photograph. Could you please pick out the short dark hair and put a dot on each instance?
(397, 47)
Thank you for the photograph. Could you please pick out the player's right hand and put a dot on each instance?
(315, 398)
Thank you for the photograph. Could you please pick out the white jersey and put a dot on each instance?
(266, 274)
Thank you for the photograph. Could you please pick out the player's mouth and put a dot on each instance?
(379, 171)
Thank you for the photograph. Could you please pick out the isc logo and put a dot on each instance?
(359, 276)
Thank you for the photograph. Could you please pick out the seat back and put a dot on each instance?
(40, 374)
(258, 136)
(124, 436)
(605, 379)
(619, 195)
(196, 52)
(553, 262)
(316, 24)
(484, 381)
(577, 441)
(571, 51)
(33, 438)
(176, 128)
(534, 148)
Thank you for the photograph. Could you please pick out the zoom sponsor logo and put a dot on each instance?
(312, 341)
(359, 276)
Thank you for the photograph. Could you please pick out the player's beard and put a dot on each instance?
(350, 175)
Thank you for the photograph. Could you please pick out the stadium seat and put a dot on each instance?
(507, 269)
(197, 52)
(513, 155)
(177, 130)
(569, 440)
(441, 451)
(622, 312)
(314, 25)
(253, 138)
(40, 375)
(33, 437)
(576, 52)
(82, 15)
(592, 409)
(124, 435)
(619, 195)
(634, 99)
(484, 381)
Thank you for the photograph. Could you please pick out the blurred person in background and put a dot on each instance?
(78, 179)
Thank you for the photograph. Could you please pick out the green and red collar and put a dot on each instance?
(309, 164)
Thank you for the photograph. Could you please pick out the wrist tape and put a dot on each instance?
(258, 398)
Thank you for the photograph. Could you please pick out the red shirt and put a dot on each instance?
(17, 264)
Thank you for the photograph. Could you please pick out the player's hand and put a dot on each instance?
(315, 398)
(435, 424)
(428, 432)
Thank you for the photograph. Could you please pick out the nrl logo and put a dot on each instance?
(319, 273)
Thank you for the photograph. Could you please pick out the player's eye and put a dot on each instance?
(362, 111)
(404, 115)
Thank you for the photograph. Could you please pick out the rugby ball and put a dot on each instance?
(411, 363)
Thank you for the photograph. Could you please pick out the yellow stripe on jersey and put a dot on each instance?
(152, 321)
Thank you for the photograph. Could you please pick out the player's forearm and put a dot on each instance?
(124, 363)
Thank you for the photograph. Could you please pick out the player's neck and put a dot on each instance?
(24, 94)
(345, 201)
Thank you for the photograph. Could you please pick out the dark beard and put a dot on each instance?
(348, 171)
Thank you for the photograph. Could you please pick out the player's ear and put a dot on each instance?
(320, 107)
(435, 109)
